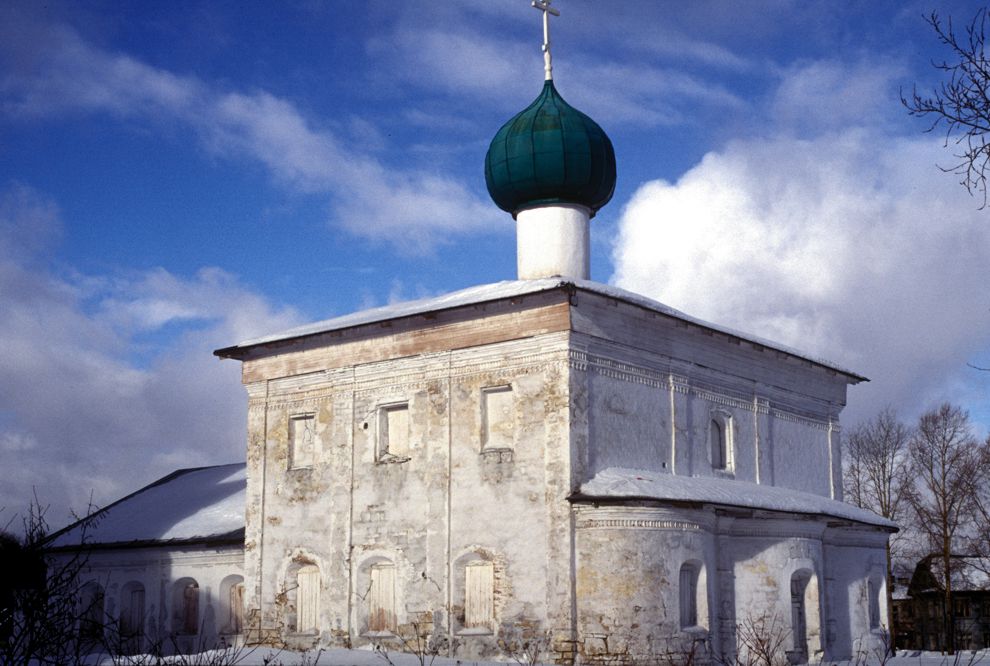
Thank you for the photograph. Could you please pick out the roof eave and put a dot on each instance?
(240, 351)
(611, 500)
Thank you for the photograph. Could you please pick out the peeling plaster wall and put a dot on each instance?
(444, 503)
(595, 383)
(630, 614)
(645, 390)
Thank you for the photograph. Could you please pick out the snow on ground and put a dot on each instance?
(264, 656)
(340, 657)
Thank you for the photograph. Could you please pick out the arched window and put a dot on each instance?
(131, 617)
(91, 615)
(720, 441)
(308, 599)
(693, 595)
(232, 604)
(805, 616)
(688, 593)
(873, 590)
(479, 595)
(185, 606)
(381, 598)
(717, 441)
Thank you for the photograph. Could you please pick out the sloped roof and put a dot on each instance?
(511, 289)
(189, 505)
(968, 574)
(621, 483)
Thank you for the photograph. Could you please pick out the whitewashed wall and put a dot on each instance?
(157, 569)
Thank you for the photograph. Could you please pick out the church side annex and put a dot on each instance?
(551, 456)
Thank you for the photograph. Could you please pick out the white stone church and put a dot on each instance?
(546, 457)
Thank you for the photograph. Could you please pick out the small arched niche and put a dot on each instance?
(805, 617)
(693, 595)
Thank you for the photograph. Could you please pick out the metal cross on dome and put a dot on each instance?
(544, 6)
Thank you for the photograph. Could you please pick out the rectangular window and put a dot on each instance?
(393, 431)
(498, 418)
(302, 440)
(479, 595)
(962, 607)
(308, 599)
(381, 599)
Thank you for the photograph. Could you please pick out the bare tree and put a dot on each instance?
(42, 610)
(947, 466)
(878, 478)
(961, 105)
(761, 640)
(980, 538)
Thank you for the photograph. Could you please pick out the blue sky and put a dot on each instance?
(175, 177)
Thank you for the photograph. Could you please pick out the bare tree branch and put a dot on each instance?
(961, 105)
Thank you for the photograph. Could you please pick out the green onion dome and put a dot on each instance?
(550, 153)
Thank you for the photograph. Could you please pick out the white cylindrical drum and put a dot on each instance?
(553, 241)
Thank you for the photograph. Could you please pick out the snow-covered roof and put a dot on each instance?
(968, 574)
(200, 504)
(511, 289)
(617, 482)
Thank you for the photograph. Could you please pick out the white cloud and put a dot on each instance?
(503, 73)
(79, 413)
(822, 96)
(848, 244)
(412, 209)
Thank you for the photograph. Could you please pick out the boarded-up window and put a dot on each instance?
(190, 608)
(308, 598)
(132, 617)
(381, 598)
(302, 441)
(393, 431)
(479, 593)
(498, 418)
(92, 614)
(689, 595)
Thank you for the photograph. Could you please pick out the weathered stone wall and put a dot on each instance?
(594, 383)
(758, 571)
(446, 500)
(629, 561)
